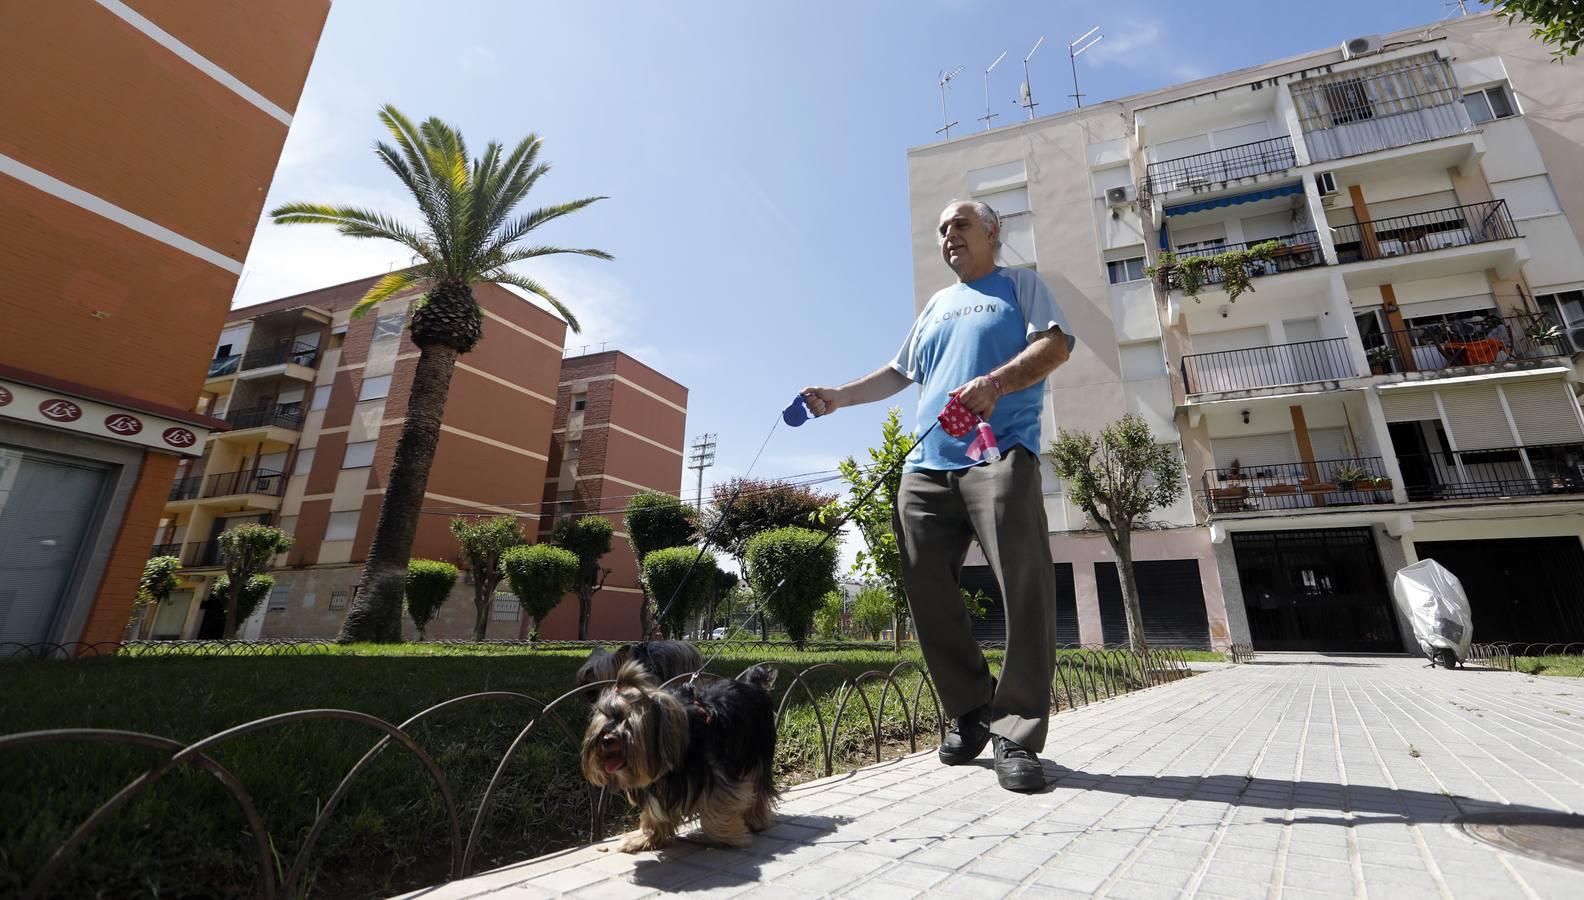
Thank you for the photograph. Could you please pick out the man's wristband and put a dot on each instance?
(1000, 391)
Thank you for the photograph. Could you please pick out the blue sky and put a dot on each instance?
(754, 154)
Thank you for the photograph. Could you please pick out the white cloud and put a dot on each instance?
(1145, 48)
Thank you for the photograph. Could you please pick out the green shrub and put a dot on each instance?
(663, 574)
(254, 592)
(785, 567)
(429, 583)
(540, 576)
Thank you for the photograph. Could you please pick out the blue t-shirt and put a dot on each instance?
(968, 330)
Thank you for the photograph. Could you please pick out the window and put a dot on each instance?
(1007, 203)
(321, 398)
(374, 388)
(388, 326)
(1489, 103)
(574, 449)
(579, 402)
(305, 460)
(506, 608)
(1566, 308)
(338, 600)
(279, 597)
(1349, 101)
(1124, 270)
(359, 455)
(342, 526)
(222, 351)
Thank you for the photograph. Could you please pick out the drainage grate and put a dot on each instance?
(1553, 837)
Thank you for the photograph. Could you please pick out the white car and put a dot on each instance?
(718, 634)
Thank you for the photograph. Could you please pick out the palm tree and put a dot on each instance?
(468, 236)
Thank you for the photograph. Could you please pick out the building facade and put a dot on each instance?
(619, 428)
(137, 143)
(1399, 382)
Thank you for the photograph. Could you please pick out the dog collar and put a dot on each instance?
(709, 717)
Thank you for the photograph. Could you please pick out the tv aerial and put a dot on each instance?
(988, 113)
(1072, 57)
(1026, 93)
(945, 82)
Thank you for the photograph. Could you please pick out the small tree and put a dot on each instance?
(726, 582)
(1559, 23)
(158, 581)
(827, 619)
(664, 572)
(253, 593)
(760, 506)
(589, 539)
(246, 551)
(785, 567)
(872, 610)
(978, 603)
(1118, 479)
(881, 560)
(540, 576)
(655, 521)
(429, 584)
(483, 542)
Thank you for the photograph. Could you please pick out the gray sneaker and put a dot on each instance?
(1017, 768)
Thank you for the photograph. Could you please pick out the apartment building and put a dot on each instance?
(137, 143)
(314, 401)
(619, 429)
(1401, 380)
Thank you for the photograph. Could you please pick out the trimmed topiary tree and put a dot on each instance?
(483, 542)
(540, 576)
(246, 551)
(664, 572)
(429, 584)
(253, 593)
(655, 521)
(827, 619)
(158, 581)
(588, 538)
(785, 567)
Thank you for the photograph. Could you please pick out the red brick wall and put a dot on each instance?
(113, 605)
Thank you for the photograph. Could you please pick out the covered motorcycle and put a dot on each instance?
(1433, 600)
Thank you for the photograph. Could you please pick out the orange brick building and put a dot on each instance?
(137, 143)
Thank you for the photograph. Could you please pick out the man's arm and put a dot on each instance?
(877, 385)
(1045, 352)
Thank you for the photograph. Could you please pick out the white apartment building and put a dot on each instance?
(1401, 381)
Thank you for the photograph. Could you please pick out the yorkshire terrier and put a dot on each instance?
(664, 660)
(688, 750)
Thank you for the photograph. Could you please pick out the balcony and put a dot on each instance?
(185, 488)
(1455, 226)
(1293, 251)
(1260, 367)
(1356, 481)
(221, 366)
(1535, 471)
(1479, 341)
(258, 481)
(159, 550)
(204, 554)
(283, 415)
(1392, 104)
(1218, 166)
(294, 353)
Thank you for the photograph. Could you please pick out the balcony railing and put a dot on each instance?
(260, 481)
(1293, 251)
(165, 550)
(1390, 104)
(1259, 367)
(224, 365)
(1533, 471)
(284, 415)
(296, 353)
(1455, 226)
(1229, 164)
(186, 488)
(1482, 340)
(205, 553)
(1353, 481)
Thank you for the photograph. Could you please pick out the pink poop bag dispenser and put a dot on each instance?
(958, 421)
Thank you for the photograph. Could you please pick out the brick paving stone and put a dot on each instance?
(1289, 776)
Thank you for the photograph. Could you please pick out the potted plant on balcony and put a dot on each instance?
(1187, 273)
(1347, 476)
(1541, 333)
(1380, 358)
(1380, 484)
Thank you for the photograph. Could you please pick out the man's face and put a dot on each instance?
(964, 241)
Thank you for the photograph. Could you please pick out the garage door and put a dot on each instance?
(1170, 598)
(1520, 589)
(993, 626)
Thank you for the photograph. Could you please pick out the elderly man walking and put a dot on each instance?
(989, 340)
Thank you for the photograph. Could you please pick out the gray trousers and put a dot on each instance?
(938, 514)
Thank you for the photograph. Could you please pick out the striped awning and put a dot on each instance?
(1234, 199)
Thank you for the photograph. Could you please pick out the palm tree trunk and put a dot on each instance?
(376, 614)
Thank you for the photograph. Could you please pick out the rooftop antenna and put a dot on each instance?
(1072, 56)
(1026, 98)
(988, 114)
(945, 81)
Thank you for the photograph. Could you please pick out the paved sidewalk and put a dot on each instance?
(1293, 777)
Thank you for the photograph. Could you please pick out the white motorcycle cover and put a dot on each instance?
(1433, 600)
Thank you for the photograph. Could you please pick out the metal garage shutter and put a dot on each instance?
(1409, 406)
(1544, 412)
(993, 626)
(1170, 597)
(1476, 419)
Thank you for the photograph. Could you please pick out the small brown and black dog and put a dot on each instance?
(664, 660)
(704, 750)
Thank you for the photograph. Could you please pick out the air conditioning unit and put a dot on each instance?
(1119, 196)
(1352, 48)
(1326, 183)
(1575, 336)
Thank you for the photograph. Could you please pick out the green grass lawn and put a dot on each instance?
(1566, 666)
(185, 837)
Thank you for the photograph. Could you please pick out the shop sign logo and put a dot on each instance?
(123, 424)
(179, 437)
(60, 410)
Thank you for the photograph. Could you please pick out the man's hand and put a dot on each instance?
(979, 395)
(822, 401)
